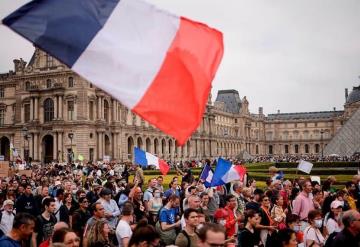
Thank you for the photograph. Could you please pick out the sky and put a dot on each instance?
(287, 55)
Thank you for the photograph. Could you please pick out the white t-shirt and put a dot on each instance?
(311, 234)
(123, 230)
(332, 226)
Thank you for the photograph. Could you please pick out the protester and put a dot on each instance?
(188, 236)
(144, 235)
(80, 216)
(65, 236)
(99, 235)
(123, 229)
(7, 216)
(312, 234)
(350, 236)
(249, 237)
(211, 235)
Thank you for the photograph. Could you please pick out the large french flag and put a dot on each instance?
(226, 172)
(157, 64)
(146, 159)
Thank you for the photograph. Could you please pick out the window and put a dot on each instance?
(257, 149)
(27, 86)
(48, 83)
(91, 154)
(317, 148)
(2, 92)
(27, 113)
(70, 110)
(48, 110)
(90, 85)
(49, 61)
(286, 149)
(106, 111)
(270, 149)
(306, 148)
(91, 110)
(296, 149)
(71, 82)
(2, 117)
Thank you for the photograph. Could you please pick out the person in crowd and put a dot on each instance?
(168, 220)
(211, 235)
(99, 234)
(194, 203)
(231, 220)
(148, 194)
(65, 236)
(350, 235)
(26, 202)
(312, 233)
(249, 236)
(39, 197)
(188, 236)
(159, 185)
(57, 226)
(139, 175)
(110, 206)
(7, 216)
(154, 204)
(80, 216)
(318, 198)
(266, 225)
(45, 222)
(59, 198)
(144, 235)
(66, 209)
(204, 204)
(135, 197)
(303, 203)
(123, 229)
(98, 212)
(332, 221)
(277, 213)
(287, 238)
(293, 223)
(255, 203)
(251, 183)
(285, 192)
(22, 229)
(237, 192)
(173, 190)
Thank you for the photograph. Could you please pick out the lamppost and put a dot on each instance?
(26, 148)
(322, 144)
(71, 136)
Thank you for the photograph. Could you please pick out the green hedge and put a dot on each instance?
(314, 171)
(319, 164)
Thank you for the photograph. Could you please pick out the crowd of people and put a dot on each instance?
(98, 205)
(308, 157)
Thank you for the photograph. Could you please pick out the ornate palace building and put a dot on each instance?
(47, 111)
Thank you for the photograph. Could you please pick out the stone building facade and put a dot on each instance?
(47, 111)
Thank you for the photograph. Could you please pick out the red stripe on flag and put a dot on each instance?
(164, 167)
(176, 99)
(241, 170)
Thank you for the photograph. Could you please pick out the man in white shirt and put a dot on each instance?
(112, 210)
(7, 217)
(123, 229)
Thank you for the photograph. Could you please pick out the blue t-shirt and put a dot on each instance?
(170, 192)
(167, 215)
(5, 241)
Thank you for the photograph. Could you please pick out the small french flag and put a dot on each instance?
(146, 159)
(157, 64)
(226, 172)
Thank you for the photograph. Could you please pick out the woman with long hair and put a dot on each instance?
(333, 218)
(65, 236)
(99, 235)
(266, 225)
(66, 209)
(155, 203)
(277, 213)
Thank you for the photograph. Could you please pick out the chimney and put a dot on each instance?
(346, 94)
(261, 111)
(278, 112)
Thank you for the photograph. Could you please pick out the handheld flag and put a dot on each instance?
(305, 166)
(145, 159)
(157, 64)
(206, 175)
(225, 172)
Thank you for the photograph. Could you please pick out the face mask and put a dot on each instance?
(318, 223)
(296, 228)
(222, 222)
(157, 195)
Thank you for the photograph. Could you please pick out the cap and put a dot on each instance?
(336, 204)
(105, 191)
(8, 202)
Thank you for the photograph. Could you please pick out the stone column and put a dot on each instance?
(31, 109)
(56, 108)
(100, 145)
(22, 114)
(61, 107)
(36, 108)
(36, 146)
(102, 108)
(60, 147)
(55, 146)
(30, 142)
(113, 111)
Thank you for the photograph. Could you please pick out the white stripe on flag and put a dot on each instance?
(127, 53)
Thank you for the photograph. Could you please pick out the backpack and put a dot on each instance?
(187, 237)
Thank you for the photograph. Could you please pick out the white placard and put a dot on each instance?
(305, 166)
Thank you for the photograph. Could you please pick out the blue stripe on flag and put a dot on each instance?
(140, 157)
(222, 167)
(62, 28)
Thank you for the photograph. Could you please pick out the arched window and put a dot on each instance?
(257, 149)
(106, 111)
(286, 149)
(270, 149)
(317, 148)
(296, 149)
(148, 145)
(306, 148)
(48, 110)
(71, 81)
(48, 83)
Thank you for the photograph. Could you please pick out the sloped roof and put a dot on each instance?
(304, 115)
(231, 99)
